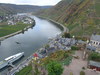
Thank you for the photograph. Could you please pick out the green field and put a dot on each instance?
(8, 29)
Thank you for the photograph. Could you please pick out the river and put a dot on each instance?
(32, 39)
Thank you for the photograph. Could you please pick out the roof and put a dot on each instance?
(35, 55)
(94, 63)
(90, 47)
(95, 37)
(81, 42)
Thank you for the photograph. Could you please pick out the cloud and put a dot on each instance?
(31, 2)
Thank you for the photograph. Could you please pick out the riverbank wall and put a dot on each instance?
(61, 26)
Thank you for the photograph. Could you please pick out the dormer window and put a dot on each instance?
(94, 42)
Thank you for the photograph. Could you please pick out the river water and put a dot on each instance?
(32, 39)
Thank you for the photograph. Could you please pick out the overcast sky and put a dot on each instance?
(31, 2)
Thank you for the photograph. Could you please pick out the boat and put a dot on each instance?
(18, 43)
(3, 64)
(15, 57)
(9, 60)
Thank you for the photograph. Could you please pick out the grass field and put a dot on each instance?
(8, 29)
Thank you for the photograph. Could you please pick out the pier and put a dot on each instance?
(11, 65)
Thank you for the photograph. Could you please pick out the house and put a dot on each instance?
(10, 22)
(94, 43)
(94, 65)
(95, 40)
(89, 47)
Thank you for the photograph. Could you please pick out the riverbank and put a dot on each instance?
(20, 29)
(62, 27)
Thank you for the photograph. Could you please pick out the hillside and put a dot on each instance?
(82, 17)
(12, 8)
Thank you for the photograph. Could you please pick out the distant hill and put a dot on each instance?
(12, 8)
(82, 17)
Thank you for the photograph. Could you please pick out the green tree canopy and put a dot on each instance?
(94, 56)
(67, 35)
(54, 68)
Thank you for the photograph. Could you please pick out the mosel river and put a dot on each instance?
(32, 39)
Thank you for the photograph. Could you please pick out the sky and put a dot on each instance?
(31, 2)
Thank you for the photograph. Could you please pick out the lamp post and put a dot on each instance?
(73, 36)
(87, 41)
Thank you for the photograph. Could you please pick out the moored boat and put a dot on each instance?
(11, 59)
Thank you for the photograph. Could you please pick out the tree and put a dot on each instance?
(94, 56)
(71, 73)
(54, 68)
(47, 46)
(67, 35)
(74, 48)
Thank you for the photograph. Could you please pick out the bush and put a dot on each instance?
(82, 73)
(47, 46)
(83, 68)
(74, 48)
(71, 73)
(81, 38)
(94, 56)
(67, 35)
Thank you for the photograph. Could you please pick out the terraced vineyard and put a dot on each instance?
(82, 17)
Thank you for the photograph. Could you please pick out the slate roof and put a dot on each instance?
(95, 37)
(91, 47)
(94, 63)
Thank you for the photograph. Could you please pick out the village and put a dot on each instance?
(85, 57)
(14, 19)
(14, 24)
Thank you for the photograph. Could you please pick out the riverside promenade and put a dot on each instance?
(20, 31)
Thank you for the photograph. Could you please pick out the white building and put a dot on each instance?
(94, 43)
(95, 40)
(11, 22)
